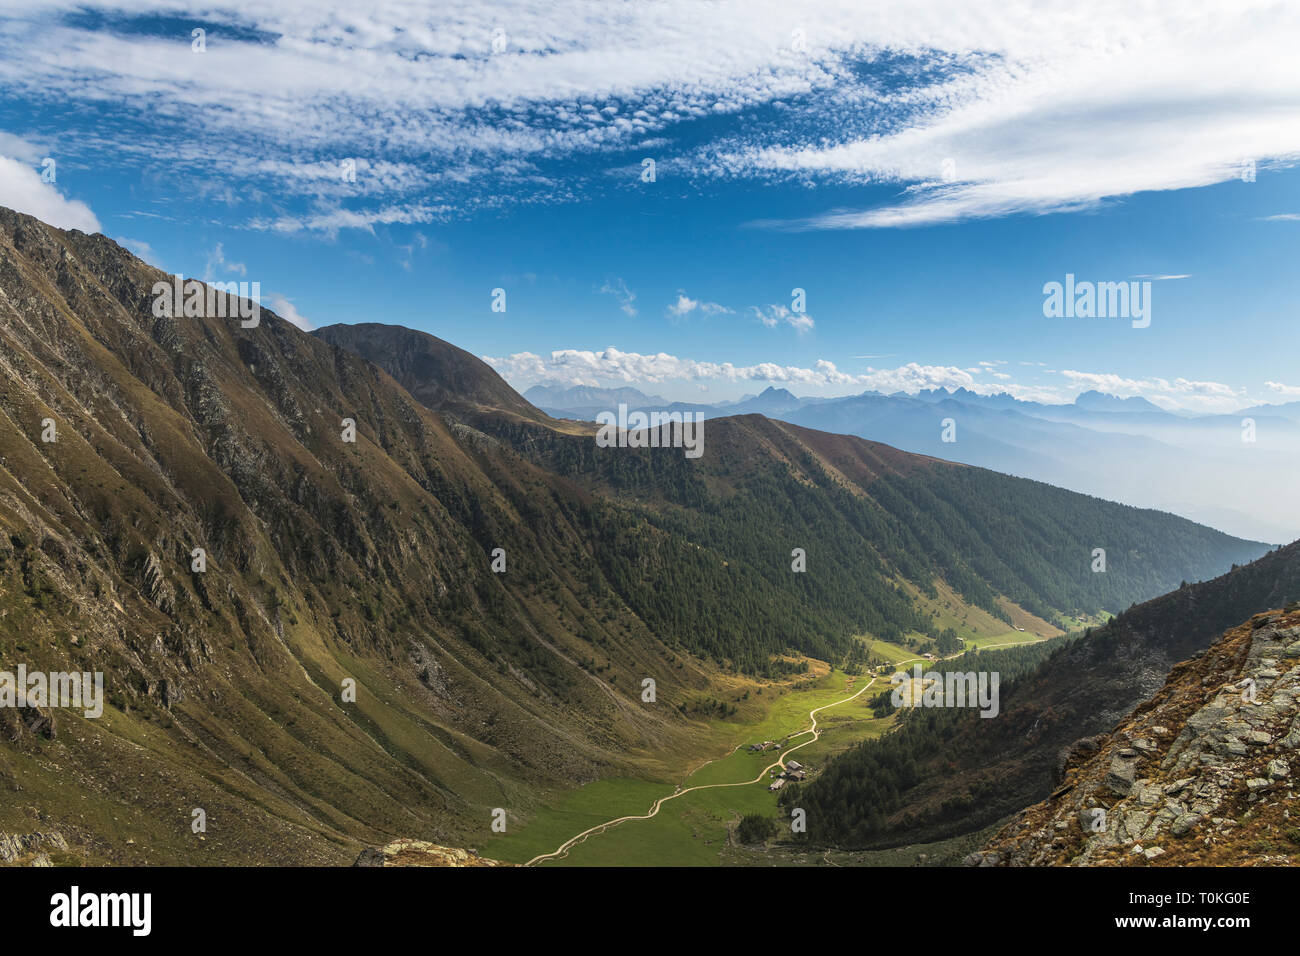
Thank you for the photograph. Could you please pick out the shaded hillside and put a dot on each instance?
(440, 375)
(866, 514)
(948, 771)
(326, 560)
(1203, 774)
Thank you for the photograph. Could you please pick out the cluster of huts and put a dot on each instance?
(794, 770)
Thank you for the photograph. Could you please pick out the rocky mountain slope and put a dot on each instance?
(281, 558)
(327, 561)
(1204, 773)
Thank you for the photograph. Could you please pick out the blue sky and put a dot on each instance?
(919, 170)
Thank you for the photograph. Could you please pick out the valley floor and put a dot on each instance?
(637, 822)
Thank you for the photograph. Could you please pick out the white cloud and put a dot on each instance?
(1179, 393)
(1064, 114)
(284, 308)
(973, 107)
(774, 315)
(583, 367)
(619, 290)
(685, 305)
(140, 248)
(217, 265)
(20, 149)
(330, 221)
(613, 366)
(23, 190)
(1286, 391)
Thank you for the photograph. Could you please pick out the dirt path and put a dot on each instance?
(654, 810)
(813, 729)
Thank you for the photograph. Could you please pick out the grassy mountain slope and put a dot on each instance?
(869, 517)
(326, 560)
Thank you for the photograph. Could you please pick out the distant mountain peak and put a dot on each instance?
(1101, 401)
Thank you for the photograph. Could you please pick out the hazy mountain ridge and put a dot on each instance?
(1205, 467)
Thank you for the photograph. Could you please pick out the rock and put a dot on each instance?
(1256, 783)
(370, 856)
(1121, 776)
(406, 852)
(1293, 650)
(1152, 852)
(1133, 824)
(1183, 823)
(1277, 769)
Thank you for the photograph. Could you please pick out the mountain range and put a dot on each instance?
(348, 587)
(1225, 470)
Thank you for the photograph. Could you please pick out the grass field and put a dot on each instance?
(693, 829)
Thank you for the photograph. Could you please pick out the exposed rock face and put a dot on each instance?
(421, 853)
(1203, 774)
(31, 849)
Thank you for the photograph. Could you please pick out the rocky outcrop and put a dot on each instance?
(1203, 774)
(421, 853)
(30, 849)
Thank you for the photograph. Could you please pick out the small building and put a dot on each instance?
(777, 784)
(793, 765)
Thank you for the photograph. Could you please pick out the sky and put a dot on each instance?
(702, 199)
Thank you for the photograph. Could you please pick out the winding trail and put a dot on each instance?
(654, 809)
(599, 828)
